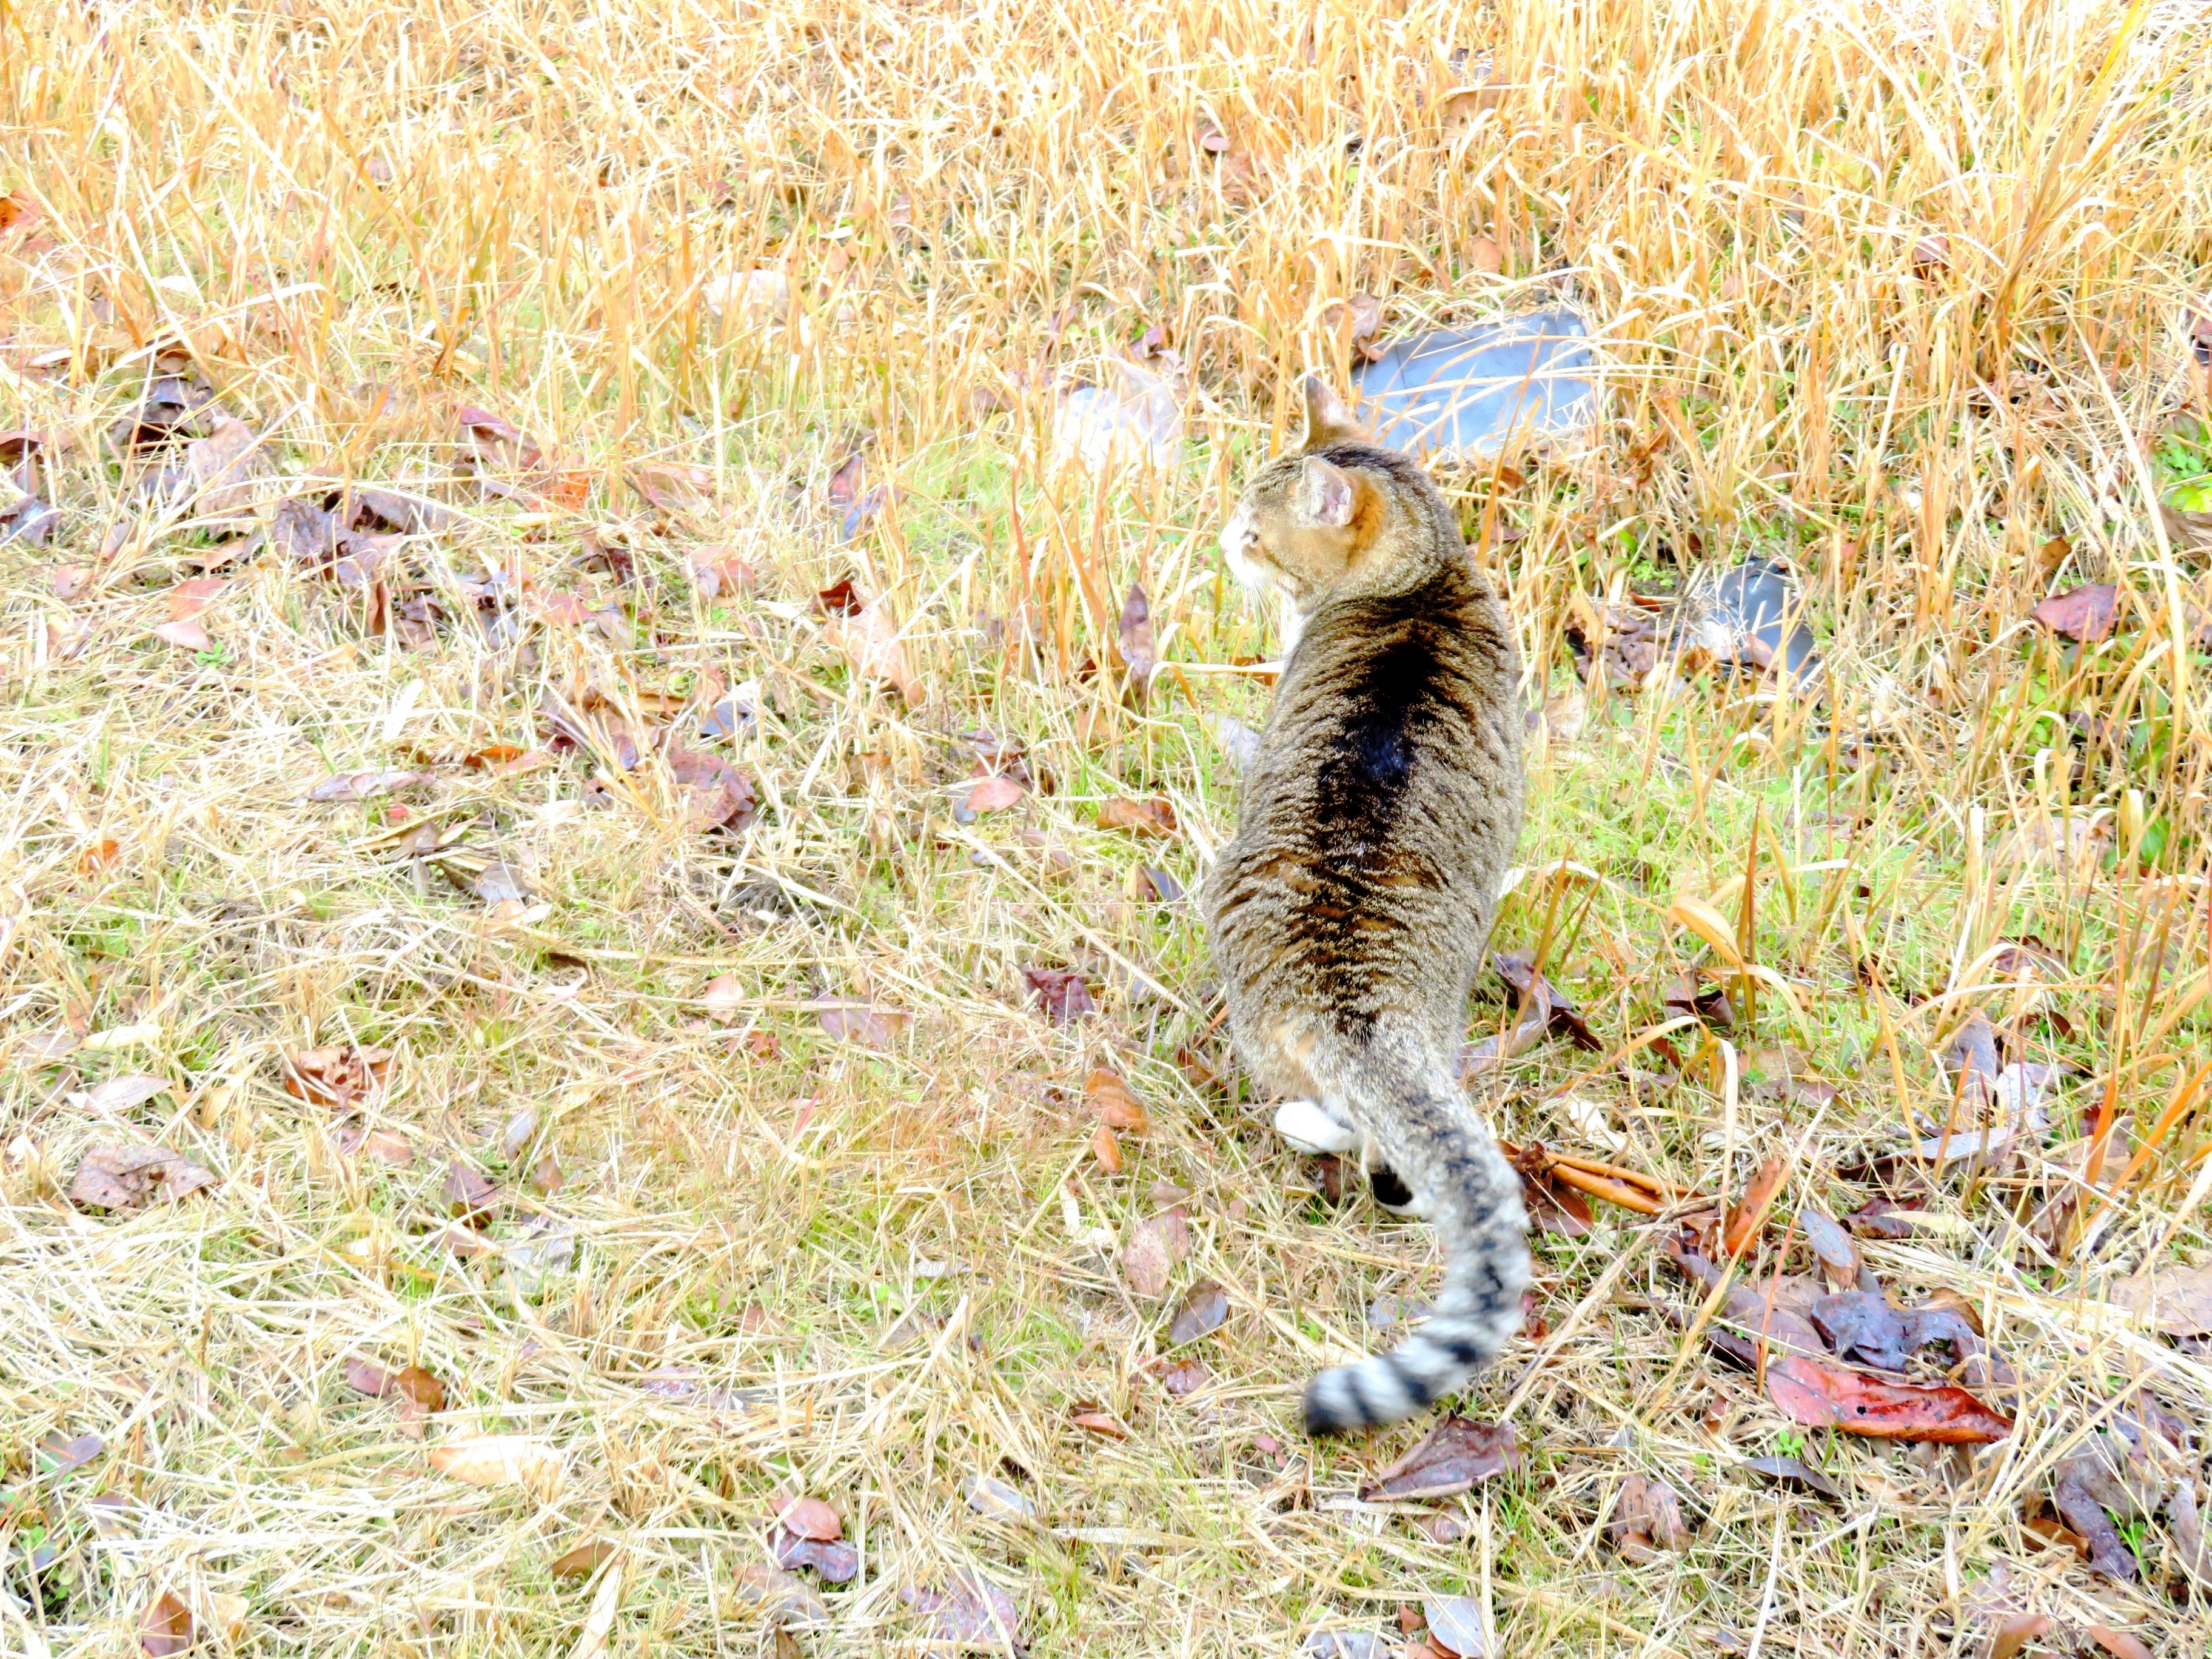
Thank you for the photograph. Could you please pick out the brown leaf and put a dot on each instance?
(1138, 817)
(2013, 1631)
(1108, 1095)
(1098, 1423)
(1106, 1150)
(1794, 1471)
(546, 1177)
(716, 570)
(97, 855)
(1456, 1456)
(1483, 257)
(837, 1561)
(1062, 994)
(673, 487)
(497, 443)
(501, 1459)
(188, 599)
(971, 1614)
(2121, 1644)
(336, 1076)
(1136, 637)
(1931, 254)
(993, 794)
(69, 579)
(717, 796)
(1455, 1624)
(862, 1023)
(1683, 996)
(129, 1177)
(165, 1627)
(365, 786)
(186, 635)
(1561, 1016)
(810, 1517)
(420, 1386)
(1203, 1309)
(2109, 1554)
(790, 1602)
(119, 1094)
(869, 637)
(1827, 1396)
(1153, 1247)
(2084, 614)
(1648, 1518)
(1746, 1218)
(1185, 1376)
(468, 1196)
(2178, 1300)
(364, 1377)
(584, 1560)
(223, 466)
(1837, 1251)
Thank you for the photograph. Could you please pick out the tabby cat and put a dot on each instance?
(1351, 911)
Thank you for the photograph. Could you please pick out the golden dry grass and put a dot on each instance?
(350, 220)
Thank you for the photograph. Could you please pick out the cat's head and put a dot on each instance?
(1318, 521)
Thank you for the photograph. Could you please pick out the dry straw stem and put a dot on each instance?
(1893, 293)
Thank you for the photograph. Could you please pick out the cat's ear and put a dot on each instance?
(1328, 417)
(1325, 496)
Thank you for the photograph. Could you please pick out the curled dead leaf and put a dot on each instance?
(1115, 1103)
(120, 1178)
(1453, 1457)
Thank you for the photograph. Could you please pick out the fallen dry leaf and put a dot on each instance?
(1203, 1309)
(1062, 994)
(584, 1560)
(787, 1598)
(2176, 1300)
(1836, 1250)
(1106, 1150)
(716, 570)
(869, 637)
(1153, 1247)
(1185, 1376)
(223, 467)
(724, 998)
(1794, 1471)
(837, 1561)
(971, 1614)
(129, 1177)
(2013, 1631)
(469, 1195)
(1827, 1396)
(336, 1076)
(185, 635)
(1647, 1518)
(495, 442)
(1138, 817)
(501, 1459)
(993, 794)
(1456, 1454)
(365, 786)
(1746, 1218)
(862, 1023)
(1135, 635)
(165, 1627)
(855, 505)
(2083, 614)
(2121, 1644)
(810, 1517)
(1109, 1096)
(1455, 1624)
(119, 1094)
(716, 795)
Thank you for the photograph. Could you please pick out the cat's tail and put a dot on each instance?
(1405, 1095)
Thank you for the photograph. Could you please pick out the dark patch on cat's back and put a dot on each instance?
(1389, 694)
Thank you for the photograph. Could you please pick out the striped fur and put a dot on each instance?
(1351, 912)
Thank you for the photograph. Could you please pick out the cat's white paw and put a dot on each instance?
(1310, 1129)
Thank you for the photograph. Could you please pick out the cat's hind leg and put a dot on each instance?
(1312, 1129)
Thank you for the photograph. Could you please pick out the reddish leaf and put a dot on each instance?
(716, 570)
(419, 1387)
(186, 635)
(842, 599)
(1099, 1422)
(993, 794)
(2084, 614)
(1456, 1456)
(546, 1177)
(859, 1022)
(1647, 1518)
(1204, 1309)
(69, 579)
(1107, 1150)
(364, 1377)
(165, 1627)
(497, 442)
(129, 1177)
(1185, 1376)
(468, 1196)
(810, 1517)
(1746, 1218)
(1117, 1105)
(1063, 995)
(188, 599)
(2120, 1643)
(717, 796)
(1826, 1397)
(1138, 817)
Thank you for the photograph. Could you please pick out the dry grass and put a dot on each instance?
(351, 218)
